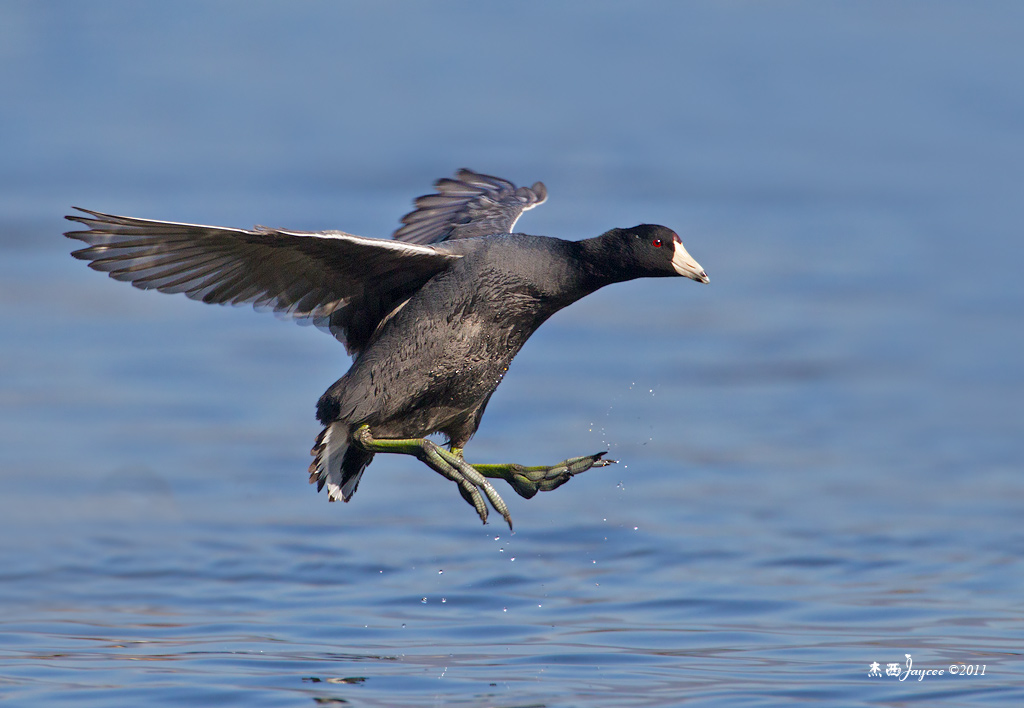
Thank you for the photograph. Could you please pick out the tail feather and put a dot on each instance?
(337, 464)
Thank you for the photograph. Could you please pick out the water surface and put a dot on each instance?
(820, 452)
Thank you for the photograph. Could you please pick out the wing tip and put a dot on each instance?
(79, 219)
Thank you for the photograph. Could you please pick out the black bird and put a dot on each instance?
(432, 318)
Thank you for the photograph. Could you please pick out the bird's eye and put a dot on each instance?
(656, 243)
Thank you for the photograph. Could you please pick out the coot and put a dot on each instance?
(432, 318)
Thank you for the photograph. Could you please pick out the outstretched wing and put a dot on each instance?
(342, 283)
(469, 205)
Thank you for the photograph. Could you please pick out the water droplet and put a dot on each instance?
(635, 528)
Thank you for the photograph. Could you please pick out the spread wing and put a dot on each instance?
(469, 205)
(342, 283)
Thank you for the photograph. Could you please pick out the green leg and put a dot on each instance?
(527, 481)
(448, 464)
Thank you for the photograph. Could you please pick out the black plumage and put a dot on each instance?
(432, 318)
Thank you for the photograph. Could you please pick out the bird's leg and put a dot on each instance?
(427, 452)
(445, 463)
(527, 481)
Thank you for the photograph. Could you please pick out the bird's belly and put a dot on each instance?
(448, 396)
(437, 378)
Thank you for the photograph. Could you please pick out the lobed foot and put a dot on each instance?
(527, 481)
(474, 478)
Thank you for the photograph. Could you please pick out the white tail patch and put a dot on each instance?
(328, 452)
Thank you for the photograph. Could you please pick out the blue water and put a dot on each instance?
(821, 452)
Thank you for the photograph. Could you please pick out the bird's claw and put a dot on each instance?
(527, 481)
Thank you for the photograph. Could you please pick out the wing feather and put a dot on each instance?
(470, 205)
(340, 282)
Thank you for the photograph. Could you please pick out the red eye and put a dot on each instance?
(656, 243)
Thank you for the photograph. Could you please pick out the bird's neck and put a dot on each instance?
(597, 259)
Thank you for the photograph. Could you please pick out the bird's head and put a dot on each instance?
(649, 250)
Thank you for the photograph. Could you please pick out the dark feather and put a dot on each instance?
(342, 283)
(470, 205)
